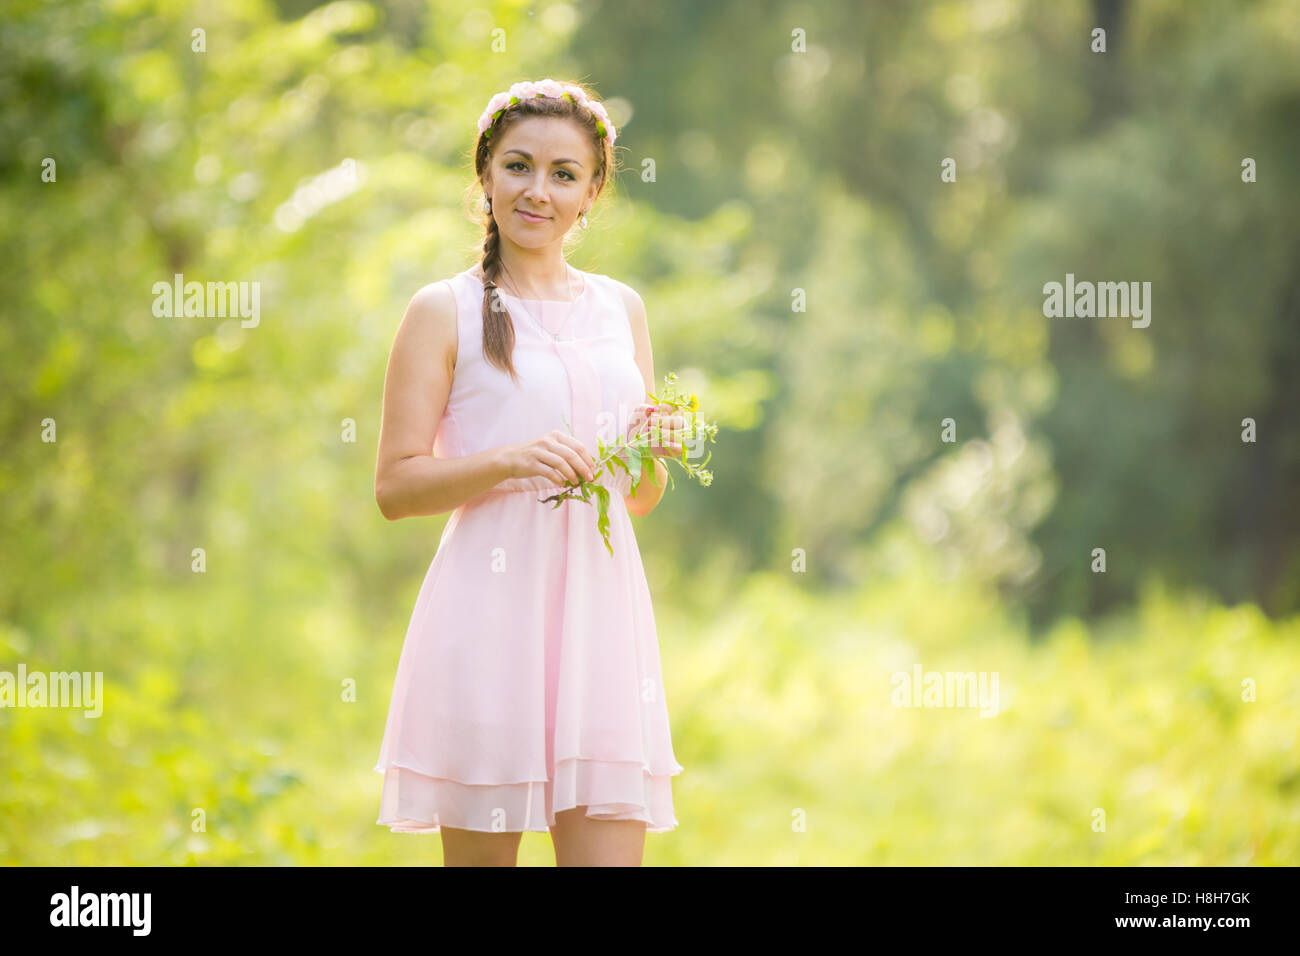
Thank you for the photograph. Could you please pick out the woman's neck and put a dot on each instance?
(537, 276)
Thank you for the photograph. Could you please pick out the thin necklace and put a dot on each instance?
(554, 336)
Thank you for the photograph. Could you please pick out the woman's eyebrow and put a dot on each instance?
(554, 162)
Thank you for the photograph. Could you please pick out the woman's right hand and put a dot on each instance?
(556, 456)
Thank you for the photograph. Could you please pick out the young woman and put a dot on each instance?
(528, 694)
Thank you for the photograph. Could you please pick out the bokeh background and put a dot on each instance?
(807, 272)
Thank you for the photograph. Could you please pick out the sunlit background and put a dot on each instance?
(840, 309)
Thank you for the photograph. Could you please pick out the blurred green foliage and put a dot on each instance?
(781, 705)
(324, 152)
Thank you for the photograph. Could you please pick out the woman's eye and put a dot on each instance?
(520, 164)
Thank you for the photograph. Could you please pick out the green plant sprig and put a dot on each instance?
(632, 453)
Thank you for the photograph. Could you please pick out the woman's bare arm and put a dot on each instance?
(647, 496)
(409, 481)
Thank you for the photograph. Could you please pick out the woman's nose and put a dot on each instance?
(536, 188)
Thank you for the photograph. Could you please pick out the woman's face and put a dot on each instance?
(543, 165)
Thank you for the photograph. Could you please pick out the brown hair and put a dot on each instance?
(498, 329)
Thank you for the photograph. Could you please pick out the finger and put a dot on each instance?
(671, 437)
(581, 456)
(672, 425)
(674, 429)
(553, 475)
(565, 472)
(559, 464)
(582, 466)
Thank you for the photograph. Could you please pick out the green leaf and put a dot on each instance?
(602, 519)
(634, 465)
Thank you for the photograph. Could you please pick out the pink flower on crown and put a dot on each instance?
(525, 89)
(498, 102)
(549, 87)
(598, 110)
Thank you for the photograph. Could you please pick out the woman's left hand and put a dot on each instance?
(662, 425)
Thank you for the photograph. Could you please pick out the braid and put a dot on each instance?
(498, 329)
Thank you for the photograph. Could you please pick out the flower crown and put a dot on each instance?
(548, 87)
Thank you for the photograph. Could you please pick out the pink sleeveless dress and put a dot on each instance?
(529, 681)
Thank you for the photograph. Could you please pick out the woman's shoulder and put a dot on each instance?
(631, 300)
(429, 325)
(615, 285)
(436, 300)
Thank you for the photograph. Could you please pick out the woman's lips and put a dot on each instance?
(529, 217)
